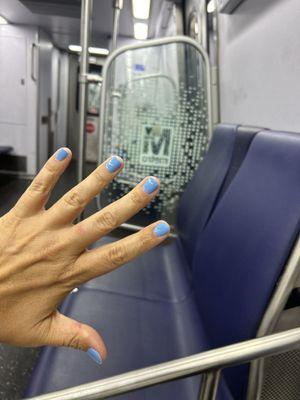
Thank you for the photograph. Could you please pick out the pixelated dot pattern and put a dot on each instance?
(156, 102)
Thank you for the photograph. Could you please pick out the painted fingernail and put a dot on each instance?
(61, 154)
(150, 185)
(161, 229)
(113, 164)
(94, 355)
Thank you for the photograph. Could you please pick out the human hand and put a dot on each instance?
(43, 255)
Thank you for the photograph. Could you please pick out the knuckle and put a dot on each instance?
(117, 255)
(99, 175)
(67, 278)
(50, 168)
(75, 341)
(145, 240)
(137, 198)
(106, 220)
(74, 200)
(38, 187)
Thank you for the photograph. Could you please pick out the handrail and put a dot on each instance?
(272, 314)
(211, 360)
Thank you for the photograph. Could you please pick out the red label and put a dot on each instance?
(90, 127)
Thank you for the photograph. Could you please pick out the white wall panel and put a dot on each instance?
(18, 109)
(260, 64)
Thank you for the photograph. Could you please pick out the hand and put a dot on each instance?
(43, 255)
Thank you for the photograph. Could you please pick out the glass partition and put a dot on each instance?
(155, 113)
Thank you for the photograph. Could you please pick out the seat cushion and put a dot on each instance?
(137, 333)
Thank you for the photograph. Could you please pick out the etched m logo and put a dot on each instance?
(156, 145)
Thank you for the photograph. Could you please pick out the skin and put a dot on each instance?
(43, 256)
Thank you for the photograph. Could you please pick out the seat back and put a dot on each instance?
(242, 250)
(227, 150)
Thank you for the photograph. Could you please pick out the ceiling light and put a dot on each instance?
(92, 50)
(98, 50)
(75, 48)
(140, 31)
(211, 6)
(141, 9)
(3, 21)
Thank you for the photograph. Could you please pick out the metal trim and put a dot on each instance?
(85, 27)
(209, 385)
(211, 360)
(271, 316)
(33, 62)
(151, 43)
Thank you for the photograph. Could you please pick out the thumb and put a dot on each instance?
(64, 331)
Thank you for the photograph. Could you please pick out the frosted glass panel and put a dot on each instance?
(156, 118)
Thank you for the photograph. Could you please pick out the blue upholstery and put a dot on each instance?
(228, 148)
(137, 333)
(244, 247)
(207, 288)
(200, 195)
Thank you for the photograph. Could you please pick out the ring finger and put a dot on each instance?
(110, 217)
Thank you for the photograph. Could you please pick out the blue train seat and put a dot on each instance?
(207, 288)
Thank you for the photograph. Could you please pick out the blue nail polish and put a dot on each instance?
(113, 164)
(94, 355)
(61, 155)
(150, 185)
(161, 229)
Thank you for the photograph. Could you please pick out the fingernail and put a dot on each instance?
(161, 229)
(94, 355)
(61, 154)
(150, 185)
(113, 164)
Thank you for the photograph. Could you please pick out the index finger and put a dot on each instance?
(37, 194)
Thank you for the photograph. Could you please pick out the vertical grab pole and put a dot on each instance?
(209, 385)
(118, 5)
(85, 28)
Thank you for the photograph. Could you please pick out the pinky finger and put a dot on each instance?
(107, 258)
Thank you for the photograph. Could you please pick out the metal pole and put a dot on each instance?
(188, 366)
(118, 5)
(85, 27)
(209, 385)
